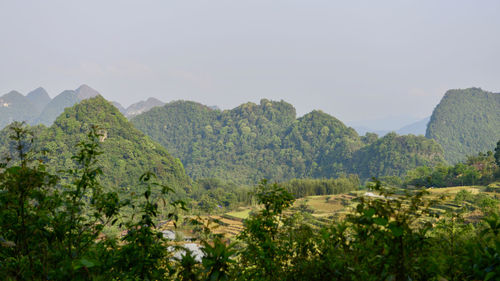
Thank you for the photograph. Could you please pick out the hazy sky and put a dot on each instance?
(356, 60)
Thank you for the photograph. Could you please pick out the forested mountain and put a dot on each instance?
(391, 155)
(16, 107)
(266, 140)
(127, 152)
(466, 122)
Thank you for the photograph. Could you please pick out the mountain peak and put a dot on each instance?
(12, 94)
(39, 98)
(85, 92)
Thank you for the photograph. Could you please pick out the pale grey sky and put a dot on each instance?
(356, 60)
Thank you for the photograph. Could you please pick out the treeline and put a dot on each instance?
(50, 231)
(218, 196)
(481, 169)
(310, 187)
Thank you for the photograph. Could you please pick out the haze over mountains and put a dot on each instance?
(415, 128)
(47, 109)
(38, 108)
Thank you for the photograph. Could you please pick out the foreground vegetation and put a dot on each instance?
(54, 229)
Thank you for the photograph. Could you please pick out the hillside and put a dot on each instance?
(127, 153)
(391, 155)
(16, 107)
(266, 140)
(39, 98)
(466, 122)
(56, 106)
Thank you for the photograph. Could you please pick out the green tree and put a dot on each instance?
(497, 154)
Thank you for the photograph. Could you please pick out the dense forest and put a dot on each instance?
(266, 140)
(465, 122)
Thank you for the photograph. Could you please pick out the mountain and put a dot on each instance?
(65, 99)
(56, 106)
(392, 155)
(142, 106)
(119, 107)
(465, 122)
(127, 152)
(417, 128)
(16, 107)
(266, 140)
(382, 126)
(39, 98)
(85, 92)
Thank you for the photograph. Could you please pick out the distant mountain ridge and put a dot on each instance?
(16, 107)
(37, 107)
(416, 128)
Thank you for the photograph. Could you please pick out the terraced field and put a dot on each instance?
(325, 208)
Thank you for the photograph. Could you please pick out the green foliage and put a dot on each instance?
(394, 155)
(465, 122)
(309, 187)
(479, 169)
(52, 229)
(264, 256)
(128, 152)
(497, 154)
(251, 142)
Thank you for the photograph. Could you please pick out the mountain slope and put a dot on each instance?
(85, 92)
(417, 128)
(16, 107)
(392, 155)
(119, 107)
(39, 98)
(127, 152)
(56, 106)
(466, 122)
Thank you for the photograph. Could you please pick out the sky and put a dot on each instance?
(384, 62)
